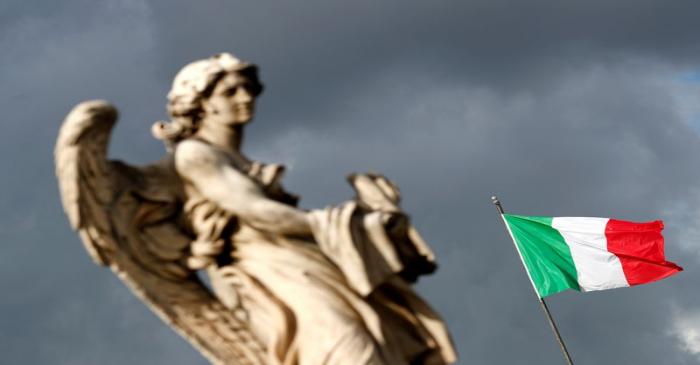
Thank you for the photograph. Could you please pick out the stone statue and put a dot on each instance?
(288, 286)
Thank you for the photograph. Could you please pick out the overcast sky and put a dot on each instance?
(562, 108)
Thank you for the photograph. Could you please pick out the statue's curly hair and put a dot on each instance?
(191, 85)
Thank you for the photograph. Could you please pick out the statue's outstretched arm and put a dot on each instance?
(213, 175)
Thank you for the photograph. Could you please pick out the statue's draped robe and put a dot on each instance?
(339, 298)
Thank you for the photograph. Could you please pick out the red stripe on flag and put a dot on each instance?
(640, 247)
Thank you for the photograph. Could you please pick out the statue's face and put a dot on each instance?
(232, 100)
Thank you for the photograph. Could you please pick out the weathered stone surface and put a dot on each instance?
(290, 286)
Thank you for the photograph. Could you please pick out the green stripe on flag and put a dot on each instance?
(546, 254)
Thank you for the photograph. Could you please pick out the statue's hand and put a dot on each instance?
(376, 192)
(204, 254)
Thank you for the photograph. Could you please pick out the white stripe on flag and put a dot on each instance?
(597, 268)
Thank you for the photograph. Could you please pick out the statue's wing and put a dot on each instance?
(84, 174)
(127, 219)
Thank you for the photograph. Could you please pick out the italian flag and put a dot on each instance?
(588, 254)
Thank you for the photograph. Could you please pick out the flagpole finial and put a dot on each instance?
(497, 203)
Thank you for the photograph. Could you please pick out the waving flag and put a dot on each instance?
(589, 253)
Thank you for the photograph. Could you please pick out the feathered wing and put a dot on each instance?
(127, 220)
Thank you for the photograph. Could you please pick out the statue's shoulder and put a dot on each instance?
(193, 155)
(192, 148)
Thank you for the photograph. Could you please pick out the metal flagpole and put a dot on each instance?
(553, 325)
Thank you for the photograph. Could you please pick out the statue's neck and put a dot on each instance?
(222, 136)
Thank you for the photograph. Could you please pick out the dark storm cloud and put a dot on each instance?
(572, 151)
(561, 109)
(321, 45)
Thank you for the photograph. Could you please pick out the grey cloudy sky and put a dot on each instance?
(588, 108)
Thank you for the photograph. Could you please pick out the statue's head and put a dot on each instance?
(220, 89)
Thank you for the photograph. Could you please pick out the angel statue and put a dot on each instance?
(286, 286)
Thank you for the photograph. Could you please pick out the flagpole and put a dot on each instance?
(543, 304)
